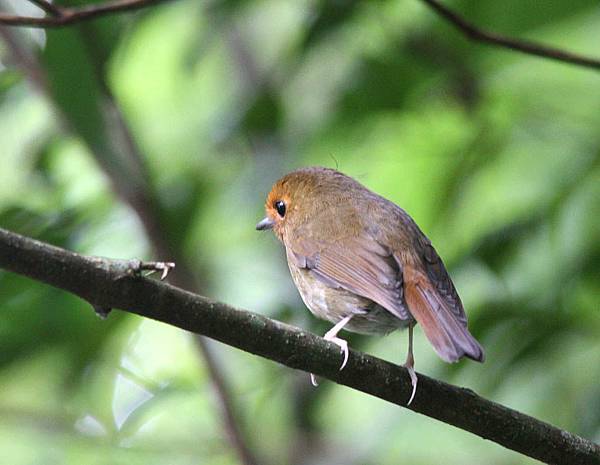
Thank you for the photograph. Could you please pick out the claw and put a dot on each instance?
(413, 380)
(344, 348)
(165, 267)
(331, 336)
(410, 364)
(153, 267)
(313, 380)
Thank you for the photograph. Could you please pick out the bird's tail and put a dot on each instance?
(450, 337)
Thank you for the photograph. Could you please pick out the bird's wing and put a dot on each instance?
(433, 301)
(436, 271)
(361, 265)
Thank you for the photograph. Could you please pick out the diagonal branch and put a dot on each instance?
(523, 46)
(109, 283)
(64, 16)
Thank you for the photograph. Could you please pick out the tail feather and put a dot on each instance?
(448, 336)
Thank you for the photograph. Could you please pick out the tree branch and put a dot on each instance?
(63, 16)
(530, 48)
(111, 284)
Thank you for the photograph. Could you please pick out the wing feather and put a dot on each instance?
(436, 271)
(449, 336)
(362, 266)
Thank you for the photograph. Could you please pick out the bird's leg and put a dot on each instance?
(331, 336)
(410, 363)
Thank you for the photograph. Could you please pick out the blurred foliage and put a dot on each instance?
(495, 154)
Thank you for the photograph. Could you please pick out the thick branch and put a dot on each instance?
(109, 283)
(63, 16)
(530, 48)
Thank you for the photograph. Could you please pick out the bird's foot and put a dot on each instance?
(410, 363)
(343, 344)
(331, 336)
(413, 380)
(313, 380)
(152, 267)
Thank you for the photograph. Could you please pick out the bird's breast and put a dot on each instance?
(334, 303)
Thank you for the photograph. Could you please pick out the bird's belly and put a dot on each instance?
(333, 304)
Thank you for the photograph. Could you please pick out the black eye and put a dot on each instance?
(280, 207)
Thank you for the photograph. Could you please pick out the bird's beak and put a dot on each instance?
(265, 223)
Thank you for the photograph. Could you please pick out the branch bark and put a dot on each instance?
(111, 284)
(60, 16)
(530, 48)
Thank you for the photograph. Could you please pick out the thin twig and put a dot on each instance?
(48, 7)
(22, 58)
(523, 46)
(103, 283)
(63, 16)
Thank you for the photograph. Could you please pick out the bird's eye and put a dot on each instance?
(280, 207)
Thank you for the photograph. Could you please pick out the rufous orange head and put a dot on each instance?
(321, 203)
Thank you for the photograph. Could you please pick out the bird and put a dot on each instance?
(361, 262)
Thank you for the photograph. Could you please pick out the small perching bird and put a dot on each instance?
(361, 262)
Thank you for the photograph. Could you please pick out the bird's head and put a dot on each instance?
(304, 197)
